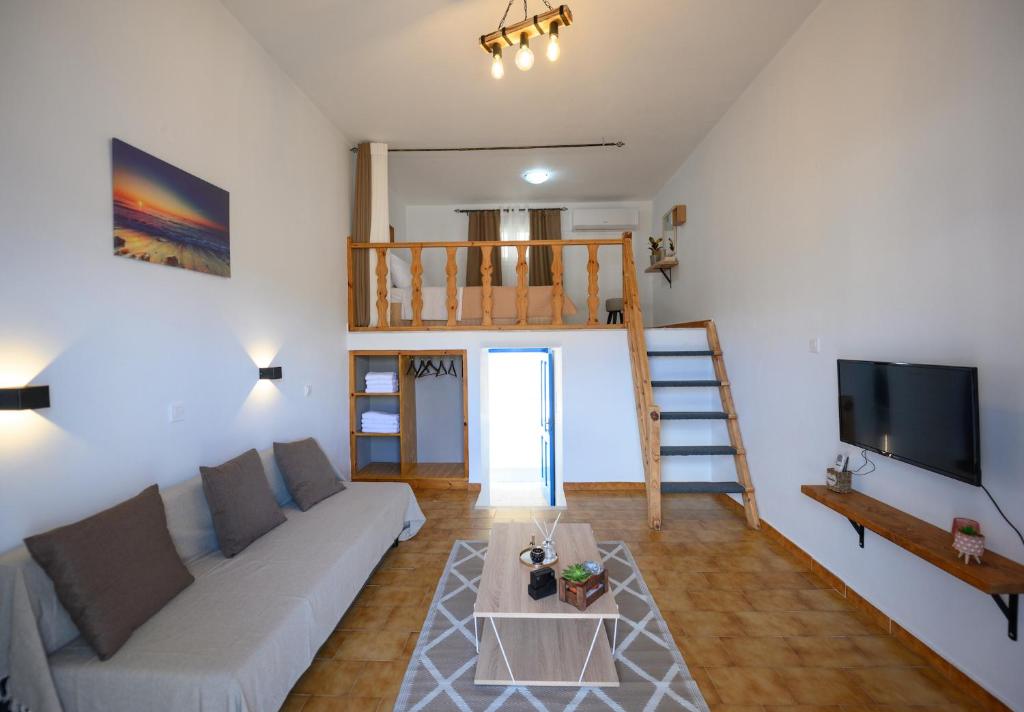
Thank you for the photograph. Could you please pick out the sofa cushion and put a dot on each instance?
(241, 502)
(112, 571)
(307, 471)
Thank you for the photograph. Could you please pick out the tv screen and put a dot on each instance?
(923, 415)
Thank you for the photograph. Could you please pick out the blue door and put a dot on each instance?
(547, 426)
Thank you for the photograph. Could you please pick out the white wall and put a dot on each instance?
(867, 189)
(118, 340)
(596, 404)
(440, 223)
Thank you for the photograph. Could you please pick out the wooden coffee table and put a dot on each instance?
(545, 642)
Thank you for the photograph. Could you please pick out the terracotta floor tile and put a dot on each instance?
(328, 677)
(824, 599)
(379, 679)
(900, 685)
(342, 704)
(777, 600)
(828, 652)
(714, 600)
(703, 652)
(736, 685)
(330, 647)
(294, 703)
(365, 618)
(706, 686)
(381, 645)
(708, 623)
(826, 623)
(779, 623)
(406, 618)
(885, 650)
(819, 686)
(760, 652)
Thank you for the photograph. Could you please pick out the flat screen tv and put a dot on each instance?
(922, 415)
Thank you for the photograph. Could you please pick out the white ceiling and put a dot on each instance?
(656, 74)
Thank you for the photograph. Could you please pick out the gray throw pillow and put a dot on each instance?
(114, 570)
(241, 503)
(307, 472)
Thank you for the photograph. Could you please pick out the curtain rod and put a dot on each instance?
(609, 144)
(505, 210)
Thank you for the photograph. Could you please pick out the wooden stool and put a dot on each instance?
(614, 309)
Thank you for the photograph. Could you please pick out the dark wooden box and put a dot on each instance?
(583, 594)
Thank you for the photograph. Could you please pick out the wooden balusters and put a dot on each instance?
(417, 286)
(451, 272)
(592, 268)
(557, 292)
(522, 287)
(382, 287)
(486, 298)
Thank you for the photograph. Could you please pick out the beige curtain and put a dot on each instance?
(544, 225)
(484, 226)
(361, 233)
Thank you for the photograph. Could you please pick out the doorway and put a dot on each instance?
(521, 427)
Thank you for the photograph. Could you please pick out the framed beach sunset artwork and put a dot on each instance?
(166, 216)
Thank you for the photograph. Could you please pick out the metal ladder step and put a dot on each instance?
(703, 487)
(686, 384)
(694, 415)
(684, 450)
(680, 353)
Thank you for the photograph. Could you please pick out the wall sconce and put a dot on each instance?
(26, 398)
(271, 373)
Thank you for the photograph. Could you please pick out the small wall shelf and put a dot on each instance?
(996, 575)
(665, 267)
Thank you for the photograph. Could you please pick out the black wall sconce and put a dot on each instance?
(271, 373)
(26, 398)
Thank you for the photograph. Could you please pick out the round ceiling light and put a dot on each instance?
(537, 176)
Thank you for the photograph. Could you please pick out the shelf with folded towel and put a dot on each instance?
(422, 418)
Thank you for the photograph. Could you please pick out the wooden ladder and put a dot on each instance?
(744, 485)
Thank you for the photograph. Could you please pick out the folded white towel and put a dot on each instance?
(376, 429)
(380, 423)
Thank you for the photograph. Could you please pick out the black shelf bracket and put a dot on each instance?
(667, 274)
(1011, 609)
(859, 529)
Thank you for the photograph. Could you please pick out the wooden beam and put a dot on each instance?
(533, 26)
(382, 286)
(451, 274)
(557, 291)
(522, 286)
(592, 286)
(417, 286)
(486, 299)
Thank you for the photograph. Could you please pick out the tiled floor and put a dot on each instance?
(758, 631)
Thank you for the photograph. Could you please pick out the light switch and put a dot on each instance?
(176, 412)
(307, 390)
(814, 345)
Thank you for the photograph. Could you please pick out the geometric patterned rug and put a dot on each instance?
(652, 674)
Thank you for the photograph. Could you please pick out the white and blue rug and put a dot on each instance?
(652, 674)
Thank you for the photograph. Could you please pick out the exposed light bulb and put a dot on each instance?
(497, 68)
(554, 48)
(524, 57)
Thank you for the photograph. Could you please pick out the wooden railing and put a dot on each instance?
(648, 414)
(380, 303)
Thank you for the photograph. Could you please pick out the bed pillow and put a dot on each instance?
(241, 502)
(114, 570)
(307, 472)
(400, 271)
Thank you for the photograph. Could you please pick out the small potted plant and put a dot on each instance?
(656, 246)
(968, 540)
(579, 586)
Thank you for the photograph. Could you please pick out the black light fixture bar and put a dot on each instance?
(271, 373)
(26, 398)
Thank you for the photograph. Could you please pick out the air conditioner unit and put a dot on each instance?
(605, 219)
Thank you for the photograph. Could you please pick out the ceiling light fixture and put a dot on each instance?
(537, 176)
(546, 23)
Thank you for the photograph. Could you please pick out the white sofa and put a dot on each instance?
(237, 639)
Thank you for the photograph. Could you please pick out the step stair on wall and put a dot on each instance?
(675, 360)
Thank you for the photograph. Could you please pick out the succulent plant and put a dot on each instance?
(969, 530)
(576, 573)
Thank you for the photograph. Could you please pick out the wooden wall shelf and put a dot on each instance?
(996, 575)
(665, 267)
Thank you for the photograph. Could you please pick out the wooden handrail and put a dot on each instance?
(648, 414)
(486, 243)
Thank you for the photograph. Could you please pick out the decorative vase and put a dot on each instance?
(968, 545)
(657, 255)
(537, 555)
(549, 550)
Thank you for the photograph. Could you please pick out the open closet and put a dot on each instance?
(407, 416)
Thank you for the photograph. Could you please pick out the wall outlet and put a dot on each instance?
(307, 390)
(176, 412)
(814, 345)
